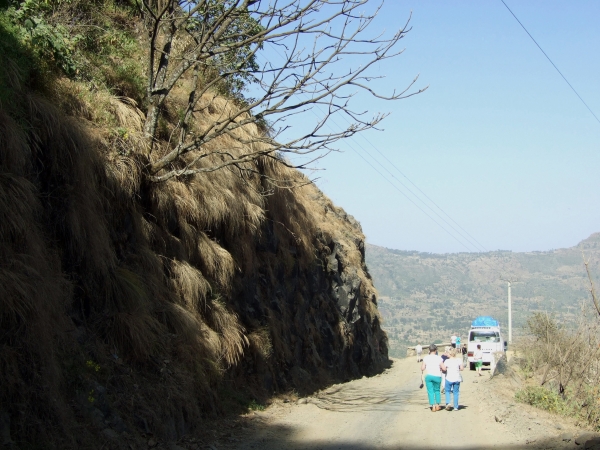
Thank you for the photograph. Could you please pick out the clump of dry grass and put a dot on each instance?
(260, 342)
(206, 272)
(190, 285)
(561, 365)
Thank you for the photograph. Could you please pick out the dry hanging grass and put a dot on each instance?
(204, 271)
(191, 287)
(232, 339)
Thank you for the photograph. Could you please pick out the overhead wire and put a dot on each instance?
(405, 195)
(479, 245)
(468, 238)
(551, 62)
(411, 192)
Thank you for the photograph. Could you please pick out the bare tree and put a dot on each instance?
(563, 356)
(320, 56)
(592, 289)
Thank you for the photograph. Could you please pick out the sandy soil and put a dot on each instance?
(389, 411)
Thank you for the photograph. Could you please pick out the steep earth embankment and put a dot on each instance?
(130, 308)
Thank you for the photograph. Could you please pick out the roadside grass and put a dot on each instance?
(561, 367)
(255, 406)
(544, 398)
(584, 407)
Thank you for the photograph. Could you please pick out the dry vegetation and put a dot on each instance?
(143, 307)
(562, 366)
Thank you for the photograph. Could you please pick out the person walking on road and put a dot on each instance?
(458, 343)
(419, 350)
(453, 365)
(445, 356)
(453, 340)
(478, 358)
(432, 366)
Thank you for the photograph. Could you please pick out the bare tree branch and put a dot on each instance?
(592, 290)
(222, 41)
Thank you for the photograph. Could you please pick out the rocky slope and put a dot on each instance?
(131, 309)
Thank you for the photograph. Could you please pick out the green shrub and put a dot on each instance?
(52, 44)
(543, 398)
(583, 405)
(255, 406)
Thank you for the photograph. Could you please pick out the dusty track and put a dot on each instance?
(389, 411)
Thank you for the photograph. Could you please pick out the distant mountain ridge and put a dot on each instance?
(427, 296)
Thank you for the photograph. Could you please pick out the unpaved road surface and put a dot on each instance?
(389, 411)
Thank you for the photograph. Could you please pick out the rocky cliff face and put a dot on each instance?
(323, 315)
(137, 307)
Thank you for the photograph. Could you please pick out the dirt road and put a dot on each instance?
(389, 411)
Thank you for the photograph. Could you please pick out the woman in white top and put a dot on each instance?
(453, 365)
(478, 357)
(432, 367)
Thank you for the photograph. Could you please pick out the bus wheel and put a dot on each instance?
(471, 366)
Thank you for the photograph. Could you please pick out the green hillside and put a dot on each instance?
(426, 297)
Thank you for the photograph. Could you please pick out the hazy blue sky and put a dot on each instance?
(499, 140)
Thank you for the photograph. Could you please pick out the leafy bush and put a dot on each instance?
(583, 405)
(86, 41)
(543, 398)
(51, 44)
(255, 406)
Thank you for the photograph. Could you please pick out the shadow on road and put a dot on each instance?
(286, 439)
(349, 399)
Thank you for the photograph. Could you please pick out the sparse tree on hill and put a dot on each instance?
(318, 55)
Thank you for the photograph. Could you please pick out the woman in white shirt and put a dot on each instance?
(432, 367)
(478, 357)
(453, 365)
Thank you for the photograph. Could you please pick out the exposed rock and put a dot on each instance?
(566, 437)
(111, 434)
(5, 429)
(97, 417)
(173, 446)
(583, 437)
(592, 444)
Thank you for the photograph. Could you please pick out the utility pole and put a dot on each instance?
(509, 281)
(509, 316)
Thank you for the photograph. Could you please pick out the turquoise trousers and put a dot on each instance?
(433, 389)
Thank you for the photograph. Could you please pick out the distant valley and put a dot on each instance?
(424, 297)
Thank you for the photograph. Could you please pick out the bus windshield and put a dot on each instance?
(484, 336)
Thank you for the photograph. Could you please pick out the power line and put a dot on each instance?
(409, 199)
(551, 62)
(406, 187)
(470, 239)
(479, 246)
(415, 195)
